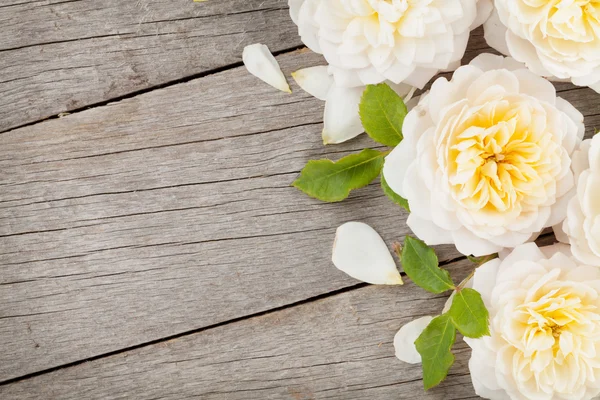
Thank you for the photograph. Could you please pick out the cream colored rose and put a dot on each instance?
(545, 327)
(582, 226)
(485, 161)
(370, 41)
(555, 38)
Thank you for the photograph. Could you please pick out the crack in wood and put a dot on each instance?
(184, 334)
(136, 93)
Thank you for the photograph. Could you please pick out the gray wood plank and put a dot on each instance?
(169, 212)
(335, 348)
(57, 56)
(166, 213)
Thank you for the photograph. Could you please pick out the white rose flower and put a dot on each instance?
(485, 161)
(556, 38)
(545, 327)
(370, 41)
(582, 226)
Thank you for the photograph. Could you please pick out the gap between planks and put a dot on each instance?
(333, 293)
(135, 93)
(545, 239)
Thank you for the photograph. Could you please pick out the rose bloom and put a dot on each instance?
(370, 41)
(485, 161)
(545, 327)
(582, 226)
(555, 38)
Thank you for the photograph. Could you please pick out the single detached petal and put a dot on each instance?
(404, 341)
(360, 252)
(260, 62)
(315, 81)
(341, 119)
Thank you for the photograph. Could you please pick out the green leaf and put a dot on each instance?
(332, 181)
(382, 114)
(401, 201)
(434, 346)
(469, 315)
(421, 265)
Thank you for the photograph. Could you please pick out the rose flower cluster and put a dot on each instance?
(486, 159)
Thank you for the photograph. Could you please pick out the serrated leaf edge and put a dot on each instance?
(450, 286)
(487, 330)
(381, 106)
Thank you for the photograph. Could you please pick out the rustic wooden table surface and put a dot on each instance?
(151, 246)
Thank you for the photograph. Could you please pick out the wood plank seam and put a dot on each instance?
(187, 333)
(149, 189)
(183, 143)
(362, 195)
(167, 244)
(334, 293)
(213, 15)
(136, 93)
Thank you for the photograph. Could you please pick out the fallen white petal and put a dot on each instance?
(360, 252)
(260, 62)
(315, 81)
(341, 119)
(404, 341)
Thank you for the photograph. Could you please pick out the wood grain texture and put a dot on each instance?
(170, 212)
(166, 213)
(335, 348)
(57, 56)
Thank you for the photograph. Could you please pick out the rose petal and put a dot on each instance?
(315, 81)
(495, 33)
(524, 51)
(360, 252)
(484, 10)
(428, 231)
(341, 119)
(404, 341)
(295, 9)
(469, 244)
(484, 279)
(260, 62)
(560, 234)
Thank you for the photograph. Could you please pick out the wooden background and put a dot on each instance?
(151, 246)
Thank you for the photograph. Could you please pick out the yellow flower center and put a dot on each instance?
(554, 331)
(573, 20)
(501, 157)
(546, 317)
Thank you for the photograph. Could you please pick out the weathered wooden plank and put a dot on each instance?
(335, 348)
(130, 222)
(57, 56)
(165, 213)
